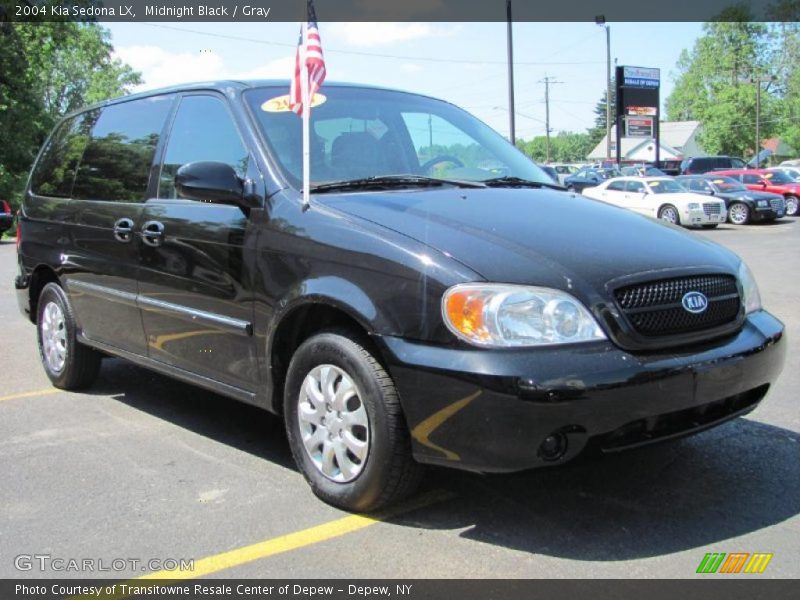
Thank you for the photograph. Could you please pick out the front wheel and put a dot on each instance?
(345, 425)
(69, 364)
(669, 214)
(792, 206)
(739, 214)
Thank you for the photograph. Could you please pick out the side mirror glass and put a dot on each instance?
(210, 181)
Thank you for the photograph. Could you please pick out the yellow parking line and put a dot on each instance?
(43, 392)
(298, 539)
(271, 547)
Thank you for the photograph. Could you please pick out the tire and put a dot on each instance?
(792, 205)
(739, 213)
(69, 364)
(386, 472)
(571, 188)
(669, 214)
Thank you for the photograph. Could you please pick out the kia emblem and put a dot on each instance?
(694, 302)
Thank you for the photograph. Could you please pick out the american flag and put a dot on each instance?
(315, 63)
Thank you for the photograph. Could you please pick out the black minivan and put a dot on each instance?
(437, 300)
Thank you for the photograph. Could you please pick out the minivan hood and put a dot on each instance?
(536, 236)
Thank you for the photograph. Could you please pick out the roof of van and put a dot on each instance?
(222, 85)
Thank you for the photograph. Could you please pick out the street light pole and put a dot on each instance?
(601, 20)
(511, 123)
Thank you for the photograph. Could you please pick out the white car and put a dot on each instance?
(660, 197)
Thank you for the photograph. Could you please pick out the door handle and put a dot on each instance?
(123, 230)
(153, 233)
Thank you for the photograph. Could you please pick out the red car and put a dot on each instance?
(6, 217)
(767, 180)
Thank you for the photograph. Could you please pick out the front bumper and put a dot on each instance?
(694, 217)
(490, 410)
(767, 213)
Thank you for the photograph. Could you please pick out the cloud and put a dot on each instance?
(161, 68)
(279, 68)
(380, 34)
(411, 68)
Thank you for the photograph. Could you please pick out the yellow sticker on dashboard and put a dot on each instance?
(281, 103)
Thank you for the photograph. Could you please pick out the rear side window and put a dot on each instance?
(203, 130)
(635, 187)
(751, 179)
(55, 171)
(117, 160)
(616, 186)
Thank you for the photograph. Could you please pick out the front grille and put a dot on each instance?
(655, 309)
(777, 204)
(712, 208)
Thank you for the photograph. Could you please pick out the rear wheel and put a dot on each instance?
(345, 425)
(739, 214)
(69, 364)
(792, 206)
(669, 214)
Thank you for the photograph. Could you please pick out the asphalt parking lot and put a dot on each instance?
(144, 468)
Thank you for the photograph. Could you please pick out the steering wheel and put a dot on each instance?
(442, 158)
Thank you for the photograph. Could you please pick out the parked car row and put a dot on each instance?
(660, 197)
(742, 196)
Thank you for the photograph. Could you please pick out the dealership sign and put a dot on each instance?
(639, 127)
(641, 77)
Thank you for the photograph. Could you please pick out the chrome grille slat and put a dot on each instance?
(712, 208)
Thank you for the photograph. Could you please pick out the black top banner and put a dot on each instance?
(398, 10)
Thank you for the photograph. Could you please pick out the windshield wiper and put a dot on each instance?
(508, 181)
(388, 181)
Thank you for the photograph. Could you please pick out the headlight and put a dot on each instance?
(502, 315)
(694, 206)
(751, 298)
(763, 203)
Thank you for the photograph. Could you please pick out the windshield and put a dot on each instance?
(358, 133)
(665, 186)
(778, 177)
(728, 184)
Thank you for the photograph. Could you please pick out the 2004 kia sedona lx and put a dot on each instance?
(438, 301)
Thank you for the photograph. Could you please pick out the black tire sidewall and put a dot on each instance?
(331, 348)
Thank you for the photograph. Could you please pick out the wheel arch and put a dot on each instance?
(303, 318)
(40, 277)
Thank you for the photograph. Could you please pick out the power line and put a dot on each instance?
(368, 54)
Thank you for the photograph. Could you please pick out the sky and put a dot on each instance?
(464, 63)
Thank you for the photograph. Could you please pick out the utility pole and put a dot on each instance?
(547, 81)
(511, 123)
(758, 79)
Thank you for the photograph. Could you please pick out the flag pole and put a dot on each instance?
(304, 85)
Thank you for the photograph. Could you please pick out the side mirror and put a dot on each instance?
(764, 184)
(210, 181)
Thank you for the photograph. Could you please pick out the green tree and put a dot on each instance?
(46, 70)
(786, 69)
(597, 132)
(717, 79)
